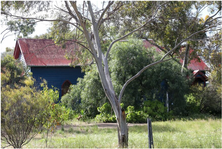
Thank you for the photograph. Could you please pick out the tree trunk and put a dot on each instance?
(103, 69)
(122, 131)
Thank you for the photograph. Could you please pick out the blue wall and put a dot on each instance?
(55, 76)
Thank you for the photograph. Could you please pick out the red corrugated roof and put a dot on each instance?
(194, 64)
(43, 52)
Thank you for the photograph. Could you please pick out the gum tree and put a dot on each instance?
(90, 26)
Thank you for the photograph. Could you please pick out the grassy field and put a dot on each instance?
(169, 134)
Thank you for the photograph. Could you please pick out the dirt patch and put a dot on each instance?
(99, 125)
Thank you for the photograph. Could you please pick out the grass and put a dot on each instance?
(170, 134)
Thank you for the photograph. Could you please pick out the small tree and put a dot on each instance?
(23, 114)
(57, 114)
(24, 109)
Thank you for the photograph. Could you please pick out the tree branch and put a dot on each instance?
(104, 11)
(203, 30)
(110, 46)
(62, 9)
(149, 20)
(119, 5)
(212, 17)
(95, 30)
(5, 36)
(70, 12)
(162, 50)
(85, 31)
(50, 20)
(4, 30)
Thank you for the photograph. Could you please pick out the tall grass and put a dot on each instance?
(181, 134)
(169, 134)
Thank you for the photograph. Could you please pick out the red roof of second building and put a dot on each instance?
(194, 64)
(43, 52)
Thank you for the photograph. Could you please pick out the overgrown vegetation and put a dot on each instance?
(127, 58)
(25, 110)
(152, 109)
(197, 133)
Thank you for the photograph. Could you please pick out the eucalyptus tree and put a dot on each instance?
(179, 20)
(89, 24)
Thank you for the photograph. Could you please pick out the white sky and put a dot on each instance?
(40, 28)
(10, 41)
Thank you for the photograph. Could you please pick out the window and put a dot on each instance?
(65, 87)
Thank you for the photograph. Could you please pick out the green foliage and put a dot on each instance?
(58, 113)
(193, 104)
(23, 114)
(12, 72)
(106, 114)
(135, 116)
(24, 109)
(150, 109)
(175, 21)
(89, 90)
(205, 100)
(156, 110)
(24, 6)
(24, 27)
(126, 59)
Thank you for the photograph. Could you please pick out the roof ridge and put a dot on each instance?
(33, 39)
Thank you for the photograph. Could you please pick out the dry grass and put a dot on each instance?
(169, 134)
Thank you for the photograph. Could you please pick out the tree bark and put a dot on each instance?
(122, 130)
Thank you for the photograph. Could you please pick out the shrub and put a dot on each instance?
(204, 99)
(156, 110)
(23, 114)
(105, 114)
(135, 116)
(152, 109)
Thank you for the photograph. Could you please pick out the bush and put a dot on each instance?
(156, 110)
(135, 116)
(23, 114)
(105, 114)
(152, 109)
(204, 100)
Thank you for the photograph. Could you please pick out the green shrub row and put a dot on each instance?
(151, 109)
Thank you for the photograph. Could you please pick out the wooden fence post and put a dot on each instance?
(150, 134)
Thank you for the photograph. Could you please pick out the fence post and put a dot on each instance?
(150, 134)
